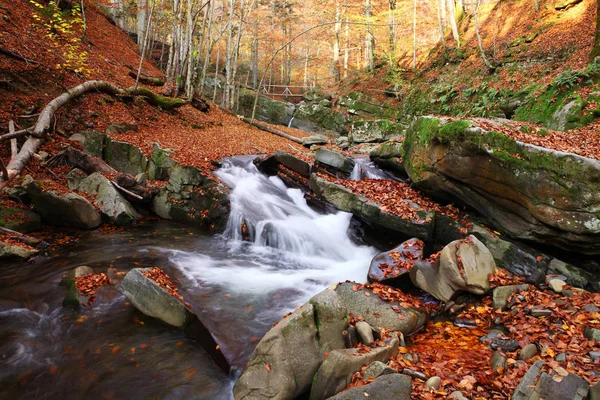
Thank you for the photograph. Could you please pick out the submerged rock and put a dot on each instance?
(463, 265)
(533, 193)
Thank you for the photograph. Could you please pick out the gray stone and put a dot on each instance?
(576, 277)
(446, 278)
(457, 395)
(525, 388)
(125, 157)
(267, 109)
(594, 355)
(504, 344)
(498, 362)
(528, 351)
(74, 299)
(20, 219)
(435, 382)
(591, 308)
(592, 334)
(315, 118)
(92, 142)
(69, 209)
(110, 201)
(562, 357)
(378, 313)
(556, 285)
(538, 312)
(536, 385)
(295, 164)
(369, 131)
(493, 334)
(335, 373)
(331, 316)
(152, 300)
(335, 160)
(376, 369)
(364, 332)
(160, 164)
(594, 393)
(393, 386)
(314, 140)
(343, 199)
(501, 294)
(120, 128)
(391, 267)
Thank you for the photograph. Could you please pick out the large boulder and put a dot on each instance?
(284, 362)
(333, 159)
(92, 142)
(192, 196)
(463, 265)
(125, 157)
(19, 219)
(358, 104)
(532, 193)
(335, 373)
(63, 209)
(316, 118)
(267, 109)
(392, 267)
(386, 387)
(344, 200)
(111, 203)
(369, 131)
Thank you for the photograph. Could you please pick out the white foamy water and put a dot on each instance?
(288, 246)
(365, 168)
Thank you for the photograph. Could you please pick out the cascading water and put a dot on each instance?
(290, 245)
(365, 168)
(290, 123)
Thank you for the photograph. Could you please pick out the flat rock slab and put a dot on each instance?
(392, 267)
(335, 160)
(386, 387)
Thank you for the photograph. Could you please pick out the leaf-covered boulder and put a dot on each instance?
(63, 209)
(392, 267)
(19, 219)
(533, 193)
(345, 200)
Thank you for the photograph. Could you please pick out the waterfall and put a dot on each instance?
(365, 168)
(290, 123)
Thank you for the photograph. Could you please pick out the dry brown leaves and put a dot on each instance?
(159, 276)
(88, 284)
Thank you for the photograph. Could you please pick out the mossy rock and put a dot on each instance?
(315, 118)
(530, 192)
(20, 220)
(125, 157)
(267, 110)
(160, 164)
(369, 131)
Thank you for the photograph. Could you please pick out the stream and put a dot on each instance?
(238, 288)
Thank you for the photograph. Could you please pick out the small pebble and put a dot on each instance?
(556, 285)
(528, 351)
(562, 357)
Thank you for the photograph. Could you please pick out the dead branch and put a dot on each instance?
(122, 189)
(30, 147)
(16, 56)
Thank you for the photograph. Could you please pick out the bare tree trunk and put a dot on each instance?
(255, 53)
(209, 48)
(392, 22)
(139, 72)
(236, 52)
(439, 4)
(335, 66)
(596, 49)
(307, 54)
(216, 73)
(452, 18)
(369, 39)
(479, 41)
(141, 23)
(189, 43)
(347, 50)
(228, 53)
(415, 35)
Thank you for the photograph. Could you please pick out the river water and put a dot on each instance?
(238, 288)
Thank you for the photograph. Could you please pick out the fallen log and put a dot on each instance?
(147, 80)
(272, 130)
(30, 147)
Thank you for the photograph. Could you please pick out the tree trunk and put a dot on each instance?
(392, 22)
(142, 20)
(479, 41)
(335, 66)
(596, 49)
(415, 35)
(452, 18)
(347, 50)
(369, 39)
(439, 5)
